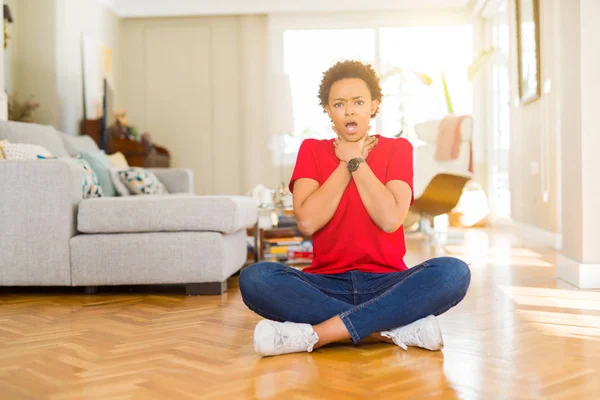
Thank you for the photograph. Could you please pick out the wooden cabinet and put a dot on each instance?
(137, 154)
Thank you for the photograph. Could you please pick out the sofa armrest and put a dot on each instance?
(177, 180)
(38, 205)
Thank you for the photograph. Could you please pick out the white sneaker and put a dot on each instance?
(424, 333)
(272, 338)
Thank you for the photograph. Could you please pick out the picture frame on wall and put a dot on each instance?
(96, 69)
(528, 49)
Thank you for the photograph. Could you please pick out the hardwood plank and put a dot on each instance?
(520, 334)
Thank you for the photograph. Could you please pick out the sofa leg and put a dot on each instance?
(90, 289)
(194, 289)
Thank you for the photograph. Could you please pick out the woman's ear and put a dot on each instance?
(328, 110)
(374, 106)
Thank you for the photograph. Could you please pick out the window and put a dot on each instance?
(307, 54)
(432, 50)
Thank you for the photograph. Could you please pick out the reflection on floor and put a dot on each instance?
(519, 334)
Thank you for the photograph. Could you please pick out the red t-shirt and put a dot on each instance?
(351, 240)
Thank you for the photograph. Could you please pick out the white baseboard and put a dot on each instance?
(584, 276)
(549, 239)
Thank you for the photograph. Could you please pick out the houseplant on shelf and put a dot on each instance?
(405, 77)
(21, 110)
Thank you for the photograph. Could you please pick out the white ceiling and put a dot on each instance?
(163, 8)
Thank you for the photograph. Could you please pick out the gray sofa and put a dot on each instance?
(50, 236)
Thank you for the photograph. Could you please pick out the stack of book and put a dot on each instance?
(287, 245)
(286, 221)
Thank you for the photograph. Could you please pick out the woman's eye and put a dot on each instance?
(359, 102)
(337, 104)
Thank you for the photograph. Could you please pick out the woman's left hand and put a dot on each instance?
(370, 143)
(345, 150)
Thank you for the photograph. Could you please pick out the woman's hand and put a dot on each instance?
(370, 143)
(345, 150)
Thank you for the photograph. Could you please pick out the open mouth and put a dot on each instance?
(351, 127)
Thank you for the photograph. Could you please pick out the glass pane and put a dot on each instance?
(429, 50)
(309, 53)
(500, 159)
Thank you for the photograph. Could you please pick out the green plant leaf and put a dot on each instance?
(447, 95)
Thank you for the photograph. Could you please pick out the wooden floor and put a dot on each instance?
(519, 334)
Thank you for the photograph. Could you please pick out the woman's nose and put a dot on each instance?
(349, 110)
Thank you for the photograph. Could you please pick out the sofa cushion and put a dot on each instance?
(89, 181)
(156, 258)
(120, 187)
(42, 135)
(117, 160)
(78, 144)
(166, 213)
(141, 181)
(22, 152)
(100, 166)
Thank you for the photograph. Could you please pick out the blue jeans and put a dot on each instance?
(366, 302)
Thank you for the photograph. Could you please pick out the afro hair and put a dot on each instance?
(350, 69)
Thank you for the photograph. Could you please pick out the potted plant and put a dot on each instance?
(21, 110)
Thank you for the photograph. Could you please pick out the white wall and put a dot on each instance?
(3, 95)
(76, 18)
(45, 61)
(256, 155)
(590, 129)
(581, 131)
(10, 51)
(34, 57)
(579, 262)
(197, 85)
(569, 46)
(535, 130)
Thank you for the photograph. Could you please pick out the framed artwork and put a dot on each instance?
(528, 49)
(97, 67)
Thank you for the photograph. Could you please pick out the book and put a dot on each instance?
(285, 241)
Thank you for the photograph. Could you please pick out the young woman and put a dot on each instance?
(352, 194)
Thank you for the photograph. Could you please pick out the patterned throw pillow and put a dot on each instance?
(141, 181)
(100, 166)
(89, 181)
(120, 187)
(22, 151)
(90, 185)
